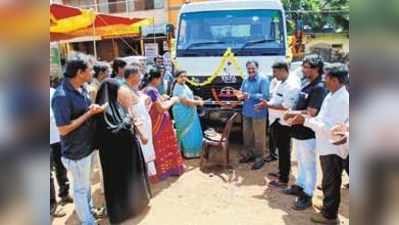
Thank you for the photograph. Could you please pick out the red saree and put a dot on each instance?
(168, 161)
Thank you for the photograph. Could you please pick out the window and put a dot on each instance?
(159, 4)
(148, 4)
(116, 6)
(231, 28)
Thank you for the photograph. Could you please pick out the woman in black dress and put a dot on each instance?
(126, 187)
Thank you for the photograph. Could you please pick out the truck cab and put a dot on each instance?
(252, 29)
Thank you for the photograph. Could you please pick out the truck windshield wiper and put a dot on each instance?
(255, 42)
(204, 43)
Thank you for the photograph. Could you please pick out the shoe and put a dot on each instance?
(319, 218)
(278, 184)
(293, 190)
(303, 202)
(65, 200)
(258, 164)
(270, 159)
(57, 212)
(99, 213)
(247, 159)
(275, 175)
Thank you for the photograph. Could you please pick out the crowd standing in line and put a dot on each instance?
(139, 143)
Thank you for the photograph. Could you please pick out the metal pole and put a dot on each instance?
(94, 41)
(153, 27)
(94, 33)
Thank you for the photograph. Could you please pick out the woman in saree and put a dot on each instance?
(168, 160)
(186, 118)
(133, 78)
(126, 186)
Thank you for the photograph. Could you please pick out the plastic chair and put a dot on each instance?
(219, 142)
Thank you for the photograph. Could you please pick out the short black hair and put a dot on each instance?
(281, 64)
(338, 71)
(116, 64)
(129, 70)
(252, 62)
(154, 74)
(157, 57)
(315, 61)
(179, 72)
(73, 66)
(98, 68)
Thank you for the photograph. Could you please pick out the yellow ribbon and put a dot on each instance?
(228, 55)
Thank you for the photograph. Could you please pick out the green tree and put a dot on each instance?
(314, 13)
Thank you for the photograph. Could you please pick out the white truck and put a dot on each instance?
(252, 29)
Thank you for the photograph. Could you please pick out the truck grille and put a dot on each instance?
(218, 90)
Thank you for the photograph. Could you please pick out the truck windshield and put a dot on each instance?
(247, 31)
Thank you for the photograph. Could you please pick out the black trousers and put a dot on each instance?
(272, 144)
(282, 140)
(346, 165)
(60, 172)
(53, 199)
(332, 167)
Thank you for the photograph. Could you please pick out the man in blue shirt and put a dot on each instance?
(72, 112)
(254, 89)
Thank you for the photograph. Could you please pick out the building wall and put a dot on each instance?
(163, 11)
(160, 15)
(174, 8)
(131, 8)
(105, 50)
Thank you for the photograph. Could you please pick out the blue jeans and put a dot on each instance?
(306, 156)
(80, 170)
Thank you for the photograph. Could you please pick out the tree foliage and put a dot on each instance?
(318, 13)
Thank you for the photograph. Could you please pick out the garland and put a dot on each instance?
(228, 55)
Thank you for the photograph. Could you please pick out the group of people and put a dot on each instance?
(309, 114)
(124, 119)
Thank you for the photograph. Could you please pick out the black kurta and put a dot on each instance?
(126, 187)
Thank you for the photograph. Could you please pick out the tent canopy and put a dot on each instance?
(68, 22)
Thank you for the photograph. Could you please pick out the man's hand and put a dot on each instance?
(95, 109)
(339, 129)
(92, 110)
(240, 95)
(200, 103)
(143, 139)
(339, 134)
(262, 105)
(289, 115)
(165, 97)
(175, 99)
(286, 116)
(297, 120)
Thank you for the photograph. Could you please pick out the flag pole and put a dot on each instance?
(94, 32)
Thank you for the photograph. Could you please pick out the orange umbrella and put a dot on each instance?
(69, 22)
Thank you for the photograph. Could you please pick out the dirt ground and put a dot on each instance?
(238, 196)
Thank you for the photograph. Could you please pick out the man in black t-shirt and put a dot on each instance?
(310, 99)
(73, 111)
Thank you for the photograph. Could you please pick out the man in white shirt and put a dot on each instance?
(334, 110)
(273, 155)
(283, 98)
